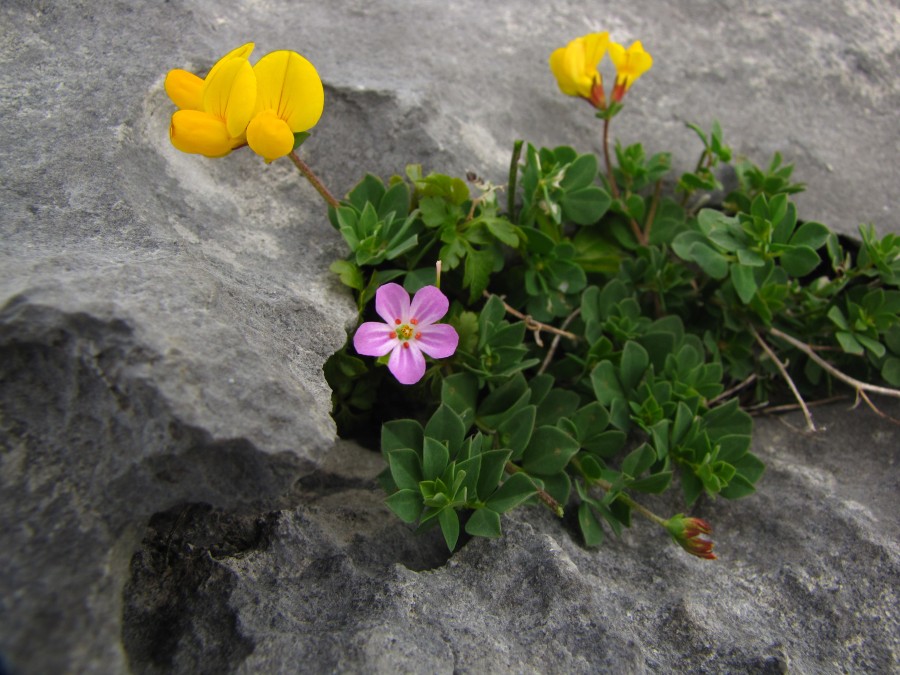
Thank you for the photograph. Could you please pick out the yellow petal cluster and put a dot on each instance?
(575, 65)
(262, 106)
(630, 64)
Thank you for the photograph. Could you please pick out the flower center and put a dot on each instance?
(404, 332)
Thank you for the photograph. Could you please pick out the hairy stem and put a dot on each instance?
(303, 167)
(543, 495)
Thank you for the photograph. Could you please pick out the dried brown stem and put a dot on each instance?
(787, 378)
(859, 385)
(555, 343)
(531, 324)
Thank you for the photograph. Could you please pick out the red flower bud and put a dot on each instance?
(692, 534)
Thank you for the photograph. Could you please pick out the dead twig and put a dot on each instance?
(787, 378)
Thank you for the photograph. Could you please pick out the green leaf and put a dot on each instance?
(799, 260)
(500, 403)
(477, 272)
(586, 206)
(890, 371)
(449, 521)
(590, 526)
(349, 273)
(690, 486)
(580, 173)
(558, 486)
(515, 431)
(549, 451)
(606, 444)
(727, 419)
(515, 490)
(471, 467)
(811, 234)
(744, 281)
(445, 425)
(405, 468)
(484, 523)
(605, 382)
(540, 386)
(460, 392)
(750, 467)
(737, 487)
(653, 484)
(395, 200)
(407, 504)
(638, 460)
(684, 418)
(635, 360)
(503, 230)
(712, 219)
(849, 343)
(712, 262)
(434, 458)
(299, 137)
(590, 467)
(492, 464)
(556, 404)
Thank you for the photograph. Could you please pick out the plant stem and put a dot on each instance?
(787, 378)
(544, 496)
(640, 235)
(736, 388)
(606, 485)
(613, 188)
(303, 167)
(531, 324)
(843, 377)
(651, 216)
(555, 343)
(513, 177)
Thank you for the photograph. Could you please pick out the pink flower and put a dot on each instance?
(408, 331)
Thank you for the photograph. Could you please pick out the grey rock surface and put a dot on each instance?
(806, 581)
(164, 319)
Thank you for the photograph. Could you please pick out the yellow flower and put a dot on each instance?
(213, 112)
(289, 99)
(630, 64)
(575, 67)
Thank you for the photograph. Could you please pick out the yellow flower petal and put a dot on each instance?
(630, 63)
(289, 84)
(242, 52)
(560, 70)
(594, 49)
(230, 94)
(185, 89)
(269, 136)
(200, 133)
(575, 65)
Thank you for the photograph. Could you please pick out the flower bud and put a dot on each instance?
(692, 534)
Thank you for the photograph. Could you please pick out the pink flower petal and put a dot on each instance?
(438, 341)
(391, 303)
(428, 305)
(374, 339)
(407, 365)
